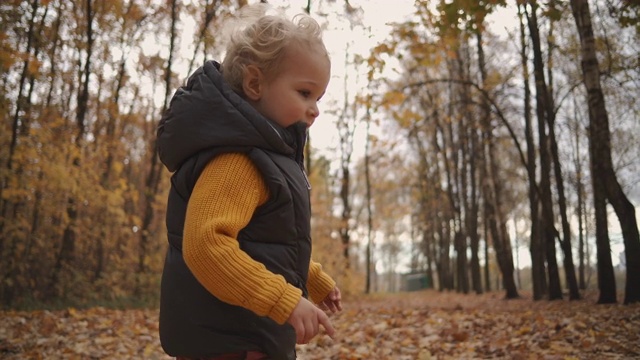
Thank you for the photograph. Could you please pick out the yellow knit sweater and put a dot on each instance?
(223, 201)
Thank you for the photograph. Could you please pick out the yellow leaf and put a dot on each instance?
(393, 98)
(73, 312)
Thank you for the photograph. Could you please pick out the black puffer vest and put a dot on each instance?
(207, 118)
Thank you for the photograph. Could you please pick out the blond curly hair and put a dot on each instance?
(259, 35)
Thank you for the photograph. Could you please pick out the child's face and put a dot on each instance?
(293, 95)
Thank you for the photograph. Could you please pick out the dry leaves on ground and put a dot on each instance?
(425, 325)
(432, 325)
(96, 333)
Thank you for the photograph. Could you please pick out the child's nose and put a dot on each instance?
(313, 111)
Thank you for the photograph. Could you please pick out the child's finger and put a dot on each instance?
(330, 305)
(326, 323)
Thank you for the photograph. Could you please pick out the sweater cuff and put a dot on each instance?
(320, 286)
(284, 307)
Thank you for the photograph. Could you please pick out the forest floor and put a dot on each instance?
(421, 325)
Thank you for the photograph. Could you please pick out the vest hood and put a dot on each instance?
(207, 113)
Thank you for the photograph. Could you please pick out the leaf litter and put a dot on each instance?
(422, 326)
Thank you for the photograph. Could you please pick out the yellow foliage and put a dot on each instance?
(383, 48)
(117, 167)
(33, 68)
(494, 79)
(392, 98)
(7, 52)
(406, 117)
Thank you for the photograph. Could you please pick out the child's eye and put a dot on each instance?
(305, 93)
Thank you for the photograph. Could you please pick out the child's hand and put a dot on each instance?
(333, 301)
(306, 319)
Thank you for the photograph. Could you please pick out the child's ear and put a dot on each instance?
(252, 82)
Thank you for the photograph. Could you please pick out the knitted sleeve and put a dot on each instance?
(319, 283)
(223, 200)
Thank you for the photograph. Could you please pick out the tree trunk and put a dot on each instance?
(493, 213)
(443, 264)
(536, 248)
(367, 176)
(467, 180)
(606, 277)
(427, 217)
(451, 160)
(473, 214)
(430, 251)
(346, 128)
(543, 109)
(475, 149)
(603, 174)
(502, 251)
(580, 210)
(565, 241)
(487, 273)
